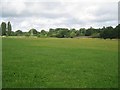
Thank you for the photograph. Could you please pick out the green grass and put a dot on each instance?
(56, 63)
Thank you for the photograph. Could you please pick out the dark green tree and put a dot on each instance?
(81, 32)
(33, 31)
(9, 29)
(89, 31)
(72, 34)
(3, 28)
(62, 32)
(13, 33)
(43, 33)
(107, 32)
(52, 33)
(18, 33)
(117, 31)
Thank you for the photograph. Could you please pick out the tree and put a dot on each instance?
(18, 33)
(81, 32)
(33, 31)
(9, 29)
(89, 31)
(62, 32)
(12, 33)
(117, 31)
(110, 32)
(107, 32)
(72, 34)
(51, 33)
(43, 33)
(3, 28)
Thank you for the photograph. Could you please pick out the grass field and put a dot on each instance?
(56, 63)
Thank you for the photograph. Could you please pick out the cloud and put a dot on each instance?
(119, 12)
(71, 14)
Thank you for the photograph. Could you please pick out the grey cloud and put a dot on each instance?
(119, 12)
(73, 21)
(104, 14)
(46, 11)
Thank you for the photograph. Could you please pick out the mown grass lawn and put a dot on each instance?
(56, 63)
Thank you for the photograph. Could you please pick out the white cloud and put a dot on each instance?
(26, 14)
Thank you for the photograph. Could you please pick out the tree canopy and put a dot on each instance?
(105, 32)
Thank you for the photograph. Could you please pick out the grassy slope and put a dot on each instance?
(51, 62)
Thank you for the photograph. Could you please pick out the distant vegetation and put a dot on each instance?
(105, 32)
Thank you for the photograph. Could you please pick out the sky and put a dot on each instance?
(45, 14)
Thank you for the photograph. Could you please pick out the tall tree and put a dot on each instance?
(3, 28)
(9, 29)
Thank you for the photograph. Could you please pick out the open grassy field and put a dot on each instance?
(55, 63)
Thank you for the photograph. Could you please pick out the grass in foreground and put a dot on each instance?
(54, 63)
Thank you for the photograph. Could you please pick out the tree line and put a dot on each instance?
(105, 32)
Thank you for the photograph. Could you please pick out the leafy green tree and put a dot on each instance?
(62, 32)
(13, 33)
(73, 30)
(117, 31)
(81, 32)
(18, 33)
(52, 33)
(33, 32)
(9, 29)
(43, 33)
(110, 32)
(89, 31)
(3, 28)
(72, 34)
(107, 32)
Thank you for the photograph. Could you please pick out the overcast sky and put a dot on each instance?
(41, 14)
